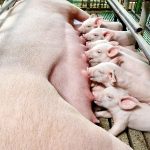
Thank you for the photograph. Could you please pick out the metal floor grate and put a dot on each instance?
(136, 139)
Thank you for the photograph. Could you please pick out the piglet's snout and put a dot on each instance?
(87, 37)
(90, 72)
(88, 45)
(95, 95)
(89, 57)
(82, 30)
(97, 102)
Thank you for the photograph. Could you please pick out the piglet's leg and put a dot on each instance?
(118, 127)
(104, 114)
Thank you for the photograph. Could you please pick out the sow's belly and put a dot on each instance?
(33, 115)
(70, 78)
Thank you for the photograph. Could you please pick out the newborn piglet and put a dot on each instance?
(125, 110)
(110, 74)
(106, 52)
(124, 38)
(93, 22)
(130, 63)
(90, 45)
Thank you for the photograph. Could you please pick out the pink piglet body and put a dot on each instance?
(124, 38)
(125, 110)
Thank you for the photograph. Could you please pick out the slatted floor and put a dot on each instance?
(136, 139)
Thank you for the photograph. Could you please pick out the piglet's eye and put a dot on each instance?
(110, 97)
(100, 72)
(99, 51)
(95, 34)
(89, 26)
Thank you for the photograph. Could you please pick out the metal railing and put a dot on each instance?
(6, 5)
(125, 17)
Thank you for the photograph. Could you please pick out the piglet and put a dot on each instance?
(124, 38)
(106, 52)
(90, 45)
(130, 63)
(93, 22)
(109, 74)
(125, 110)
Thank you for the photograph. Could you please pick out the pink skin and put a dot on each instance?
(98, 50)
(88, 25)
(33, 114)
(125, 110)
(131, 47)
(133, 53)
(97, 54)
(71, 69)
(82, 40)
(90, 45)
(109, 74)
(130, 64)
(94, 21)
(106, 52)
(124, 38)
(97, 89)
(97, 86)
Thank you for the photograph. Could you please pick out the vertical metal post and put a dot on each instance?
(144, 13)
(88, 4)
(144, 46)
(120, 10)
(6, 5)
(1, 2)
(126, 4)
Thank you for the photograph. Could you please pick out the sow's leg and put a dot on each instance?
(70, 78)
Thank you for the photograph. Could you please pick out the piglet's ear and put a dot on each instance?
(128, 103)
(114, 43)
(112, 52)
(98, 22)
(112, 77)
(108, 35)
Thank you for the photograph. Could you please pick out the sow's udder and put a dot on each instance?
(70, 78)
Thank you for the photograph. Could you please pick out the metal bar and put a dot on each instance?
(132, 22)
(144, 46)
(148, 22)
(6, 6)
(144, 13)
(88, 3)
(126, 4)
